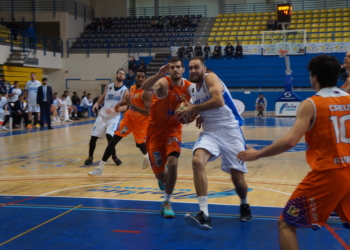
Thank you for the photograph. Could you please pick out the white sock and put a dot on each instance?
(167, 197)
(203, 204)
(145, 156)
(75, 115)
(244, 201)
(70, 115)
(102, 164)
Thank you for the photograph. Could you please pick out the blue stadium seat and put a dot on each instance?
(140, 17)
(102, 45)
(115, 18)
(121, 18)
(78, 41)
(147, 17)
(75, 46)
(115, 45)
(122, 45)
(82, 36)
(94, 46)
(102, 36)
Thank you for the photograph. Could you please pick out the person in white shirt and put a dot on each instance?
(54, 108)
(64, 109)
(31, 92)
(14, 93)
(4, 113)
(71, 107)
(86, 103)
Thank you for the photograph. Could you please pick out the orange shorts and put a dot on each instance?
(160, 143)
(317, 196)
(138, 129)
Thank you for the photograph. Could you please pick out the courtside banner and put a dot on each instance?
(286, 108)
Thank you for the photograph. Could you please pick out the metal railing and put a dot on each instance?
(169, 10)
(19, 39)
(70, 6)
(297, 5)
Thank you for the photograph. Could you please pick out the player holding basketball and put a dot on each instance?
(108, 119)
(135, 121)
(164, 131)
(222, 136)
(325, 120)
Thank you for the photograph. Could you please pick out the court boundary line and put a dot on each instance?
(337, 237)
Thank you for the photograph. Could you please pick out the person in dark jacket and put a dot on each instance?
(206, 51)
(229, 51)
(44, 99)
(188, 52)
(14, 29)
(239, 51)
(198, 50)
(217, 51)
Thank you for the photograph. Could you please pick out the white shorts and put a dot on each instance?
(105, 126)
(227, 143)
(33, 108)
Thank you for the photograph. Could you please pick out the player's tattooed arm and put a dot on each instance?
(157, 83)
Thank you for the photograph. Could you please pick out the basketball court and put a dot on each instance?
(48, 199)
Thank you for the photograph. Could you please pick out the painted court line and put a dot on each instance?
(337, 237)
(39, 226)
(123, 231)
(18, 201)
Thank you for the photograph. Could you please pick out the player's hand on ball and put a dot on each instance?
(199, 122)
(250, 154)
(163, 70)
(186, 114)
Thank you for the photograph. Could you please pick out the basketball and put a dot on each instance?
(181, 107)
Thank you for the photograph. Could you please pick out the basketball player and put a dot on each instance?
(221, 136)
(108, 119)
(164, 131)
(31, 92)
(135, 120)
(324, 119)
(346, 85)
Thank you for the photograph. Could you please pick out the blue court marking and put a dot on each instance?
(91, 226)
(35, 130)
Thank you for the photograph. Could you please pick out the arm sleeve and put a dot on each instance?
(11, 90)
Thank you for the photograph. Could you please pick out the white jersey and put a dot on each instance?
(17, 93)
(32, 88)
(112, 98)
(225, 117)
(3, 101)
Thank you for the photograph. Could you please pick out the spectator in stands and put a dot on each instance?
(93, 103)
(3, 87)
(160, 24)
(55, 108)
(206, 51)
(229, 51)
(143, 65)
(86, 103)
(260, 104)
(64, 108)
(14, 93)
(181, 52)
(14, 29)
(217, 51)
(75, 99)
(84, 94)
(188, 52)
(92, 26)
(44, 99)
(101, 25)
(131, 76)
(20, 111)
(239, 51)
(108, 24)
(4, 113)
(173, 22)
(198, 50)
(31, 36)
(271, 24)
(71, 108)
(132, 64)
(154, 23)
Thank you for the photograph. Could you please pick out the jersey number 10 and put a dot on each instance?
(340, 134)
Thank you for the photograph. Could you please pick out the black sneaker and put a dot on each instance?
(200, 221)
(117, 161)
(88, 161)
(76, 118)
(245, 213)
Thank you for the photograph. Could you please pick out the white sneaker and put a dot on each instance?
(145, 163)
(4, 128)
(69, 120)
(96, 171)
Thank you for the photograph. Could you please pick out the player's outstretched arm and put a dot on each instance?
(122, 106)
(147, 95)
(304, 118)
(156, 83)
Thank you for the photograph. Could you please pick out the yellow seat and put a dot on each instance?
(240, 14)
(338, 34)
(221, 29)
(316, 16)
(239, 19)
(255, 32)
(322, 25)
(294, 21)
(291, 36)
(248, 33)
(322, 40)
(227, 15)
(346, 24)
(331, 15)
(231, 19)
(301, 11)
(339, 19)
(301, 21)
(254, 38)
(260, 13)
(329, 40)
(314, 30)
(273, 13)
(307, 30)
(220, 15)
(227, 33)
(223, 24)
(324, 11)
(308, 16)
(346, 34)
(229, 23)
(330, 20)
(346, 29)
(310, 21)
(240, 33)
(330, 24)
(228, 28)
(259, 18)
(299, 41)
(295, 12)
(256, 28)
(338, 9)
(309, 11)
(250, 23)
(218, 20)
(315, 25)
(300, 26)
(346, 9)
(237, 23)
(252, 42)
(323, 15)
(267, 42)
(245, 18)
(220, 34)
(212, 33)
(330, 10)
(214, 29)
(301, 17)
(308, 25)
(218, 38)
(292, 26)
(346, 19)
(234, 33)
(244, 23)
(235, 28)
(323, 20)
(339, 24)
(338, 40)
(330, 29)
(323, 30)
(246, 37)
(346, 39)
(313, 40)
(314, 35)
(216, 24)
(252, 19)
(243, 28)
(338, 14)
(233, 14)
(338, 29)
(225, 19)
(210, 39)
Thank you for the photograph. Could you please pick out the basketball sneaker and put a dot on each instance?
(88, 161)
(145, 163)
(4, 128)
(96, 171)
(37, 125)
(161, 185)
(245, 213)
(166, 210)
(200, 221)
(116, 160)
(29, 126)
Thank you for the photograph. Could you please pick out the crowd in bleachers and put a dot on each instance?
(15, 103)
(163, 31)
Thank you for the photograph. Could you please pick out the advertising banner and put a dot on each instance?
(286, 108)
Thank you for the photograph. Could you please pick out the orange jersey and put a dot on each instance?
(136, 98)
(328, 139)
(163, 110)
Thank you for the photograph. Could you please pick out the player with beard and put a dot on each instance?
(221, 136)
(135, 120)
(108, 119)
(164, 130)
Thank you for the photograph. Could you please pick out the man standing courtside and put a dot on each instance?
(324, 119)
(44, 100)
(31, 92)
